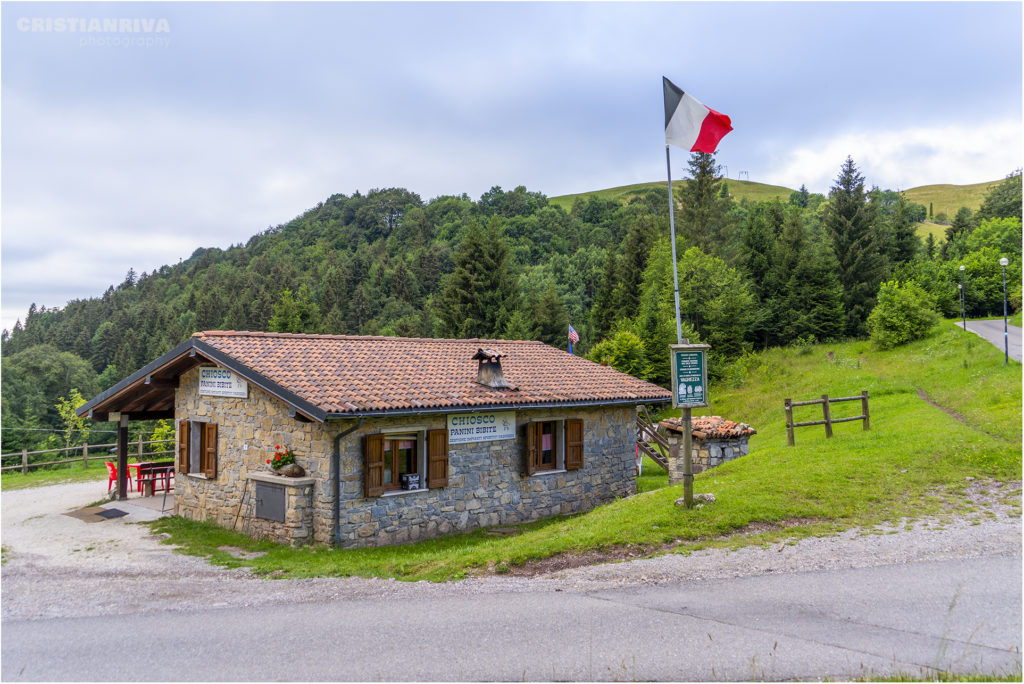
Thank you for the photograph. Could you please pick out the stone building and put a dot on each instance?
(400, 439)
(716, 440)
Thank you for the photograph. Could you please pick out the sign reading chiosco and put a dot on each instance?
(220, 382)
(481, 426)
(689, 375)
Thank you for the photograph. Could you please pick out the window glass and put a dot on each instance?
(547, 445)
(399, 459)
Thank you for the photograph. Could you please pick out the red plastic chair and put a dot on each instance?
(112, 477)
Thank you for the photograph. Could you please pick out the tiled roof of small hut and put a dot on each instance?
(711, 427)
(355, 374)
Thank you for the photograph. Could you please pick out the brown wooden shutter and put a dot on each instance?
(182, 446)
(574, 444)
(209, 450)
(373, 475)
(437, 458)
(533, 444)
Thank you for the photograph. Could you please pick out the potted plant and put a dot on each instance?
(283, 463)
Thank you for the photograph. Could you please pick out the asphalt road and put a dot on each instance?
(992, 330)
(961, 616)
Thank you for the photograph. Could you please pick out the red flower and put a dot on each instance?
(278, 457)
(268, 460)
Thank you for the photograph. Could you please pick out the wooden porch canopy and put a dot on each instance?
(148, 394)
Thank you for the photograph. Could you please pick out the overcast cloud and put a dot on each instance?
(247, 114)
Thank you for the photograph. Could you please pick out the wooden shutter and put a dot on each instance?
(182, 446)
(437, 458)
(373, 469)
(533, 444)
(574, 444)
(208, 459)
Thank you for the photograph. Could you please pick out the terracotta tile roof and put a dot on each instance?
(342, 374)
(711, 427)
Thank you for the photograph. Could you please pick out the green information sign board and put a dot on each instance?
(689, 375)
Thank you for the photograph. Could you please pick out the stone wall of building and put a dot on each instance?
(706, 454)
(248, 431)
(486, 481)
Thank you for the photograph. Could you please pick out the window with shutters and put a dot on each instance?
(405, 460)
(553, 446)
(197, 448)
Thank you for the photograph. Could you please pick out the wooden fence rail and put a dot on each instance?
(83, 454)
(828, 420)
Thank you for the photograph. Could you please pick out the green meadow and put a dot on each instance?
(945, 415)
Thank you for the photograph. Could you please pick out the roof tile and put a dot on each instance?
(350, 374)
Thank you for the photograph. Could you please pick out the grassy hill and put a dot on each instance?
(945, 416)
(943, 198)
(949, 198)
(737, 188)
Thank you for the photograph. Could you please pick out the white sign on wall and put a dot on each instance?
(220, 382)
(481, 426)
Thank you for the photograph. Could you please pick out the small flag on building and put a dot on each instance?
(689, 124)
(573, 337)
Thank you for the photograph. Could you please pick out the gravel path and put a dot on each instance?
(59, 566)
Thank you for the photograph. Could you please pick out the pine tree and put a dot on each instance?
(479, 296)
(603, 316)
(703, 213)
(552, 321)
(640, 237)
(849, 222)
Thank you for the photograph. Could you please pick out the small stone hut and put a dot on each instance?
(400, 439)
(715, 441)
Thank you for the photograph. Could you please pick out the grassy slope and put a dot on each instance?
(949, 198)
(914, 461)
(944, 198)
(738, 189)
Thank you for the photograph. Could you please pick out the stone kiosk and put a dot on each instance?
(400, 439)
(715, 441)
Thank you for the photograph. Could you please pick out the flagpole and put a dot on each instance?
(672, 229)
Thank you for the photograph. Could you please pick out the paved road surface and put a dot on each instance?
(992, 330)
(960, 615)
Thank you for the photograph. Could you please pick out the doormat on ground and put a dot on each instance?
(95, 514)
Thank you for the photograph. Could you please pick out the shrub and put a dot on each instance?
(904, 312)
(624, 351)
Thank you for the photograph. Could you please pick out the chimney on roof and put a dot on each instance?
(489, 371)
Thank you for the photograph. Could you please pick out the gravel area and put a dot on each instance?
(56, 565)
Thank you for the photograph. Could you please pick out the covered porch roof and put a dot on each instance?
(148, 393)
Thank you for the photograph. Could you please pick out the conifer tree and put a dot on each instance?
(603, 316)
(479, 296)
(703, 218)
(849, 222)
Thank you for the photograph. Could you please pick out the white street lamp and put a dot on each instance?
(1006, 337)
(963, 296)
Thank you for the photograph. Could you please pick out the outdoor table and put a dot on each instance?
(149, 473)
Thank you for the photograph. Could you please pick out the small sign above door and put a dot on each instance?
(220, 382)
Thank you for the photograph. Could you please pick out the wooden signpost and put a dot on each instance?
(689, 390)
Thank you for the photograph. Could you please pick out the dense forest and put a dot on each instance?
(512, 265)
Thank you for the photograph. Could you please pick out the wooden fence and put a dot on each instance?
(82, 455)
(828, 419)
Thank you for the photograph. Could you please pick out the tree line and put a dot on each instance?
(512, 265)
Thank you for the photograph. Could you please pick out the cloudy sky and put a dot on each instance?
(180, 125)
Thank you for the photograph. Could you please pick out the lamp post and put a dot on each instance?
(1006, 337)
(963, 296)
